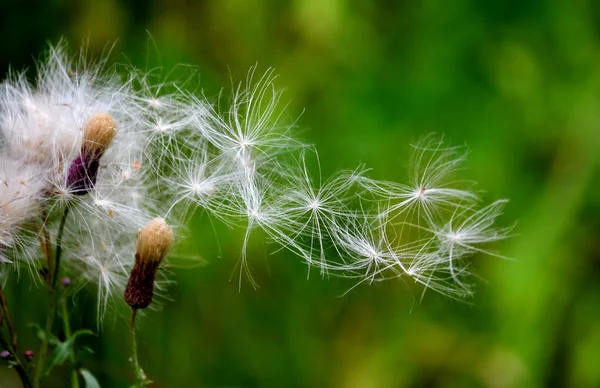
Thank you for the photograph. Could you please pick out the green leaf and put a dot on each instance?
(63, 350)
(39, 332)
(54, 340)
(90, 380)
(59, 356)
(82, 354)
(80, 333)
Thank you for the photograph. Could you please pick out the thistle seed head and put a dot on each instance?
(154, 241)
(99, 132)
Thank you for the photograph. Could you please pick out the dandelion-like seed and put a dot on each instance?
(466, 232)
(430, 193)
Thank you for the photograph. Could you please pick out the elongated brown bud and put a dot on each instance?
(154, 241)
(98, 134)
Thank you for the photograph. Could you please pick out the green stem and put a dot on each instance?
(68, 334)
(44, 347)
(54, 271)
(45, 239)
(66, 324)
(5, 312)
(16, 362)
(22, 373)
(140, 378)
(61, 229)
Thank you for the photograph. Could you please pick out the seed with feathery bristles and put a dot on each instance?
(178, 153)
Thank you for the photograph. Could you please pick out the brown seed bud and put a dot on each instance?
(97, 137)
(154, 241)
(29, 354)
(98, 134)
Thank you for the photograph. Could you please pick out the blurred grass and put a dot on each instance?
(518, 82)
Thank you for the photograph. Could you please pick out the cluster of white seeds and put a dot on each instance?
(176, 154)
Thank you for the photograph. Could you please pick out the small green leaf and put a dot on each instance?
(63, 350)
(59, 356)
(80, 333)
(39, 332)
(82, 354)
(90, 380)
(54, 341)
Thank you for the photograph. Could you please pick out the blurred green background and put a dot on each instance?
(516, 81)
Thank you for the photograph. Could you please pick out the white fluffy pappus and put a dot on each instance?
(175, 152)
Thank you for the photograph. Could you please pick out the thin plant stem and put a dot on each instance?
(53, 277)
(59, 237)
(44, 245)
(44, 347)
(68, 334)
(16, 362)
(44, 236)
(6, 314)
(140, 378)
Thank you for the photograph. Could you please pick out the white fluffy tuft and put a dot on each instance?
(176, 154)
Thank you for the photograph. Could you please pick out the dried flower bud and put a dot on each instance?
(97, 137)
(66, 282)
(5, 355)
(28, 354)
(154, 241)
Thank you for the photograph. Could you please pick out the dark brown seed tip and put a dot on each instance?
(140, 287)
